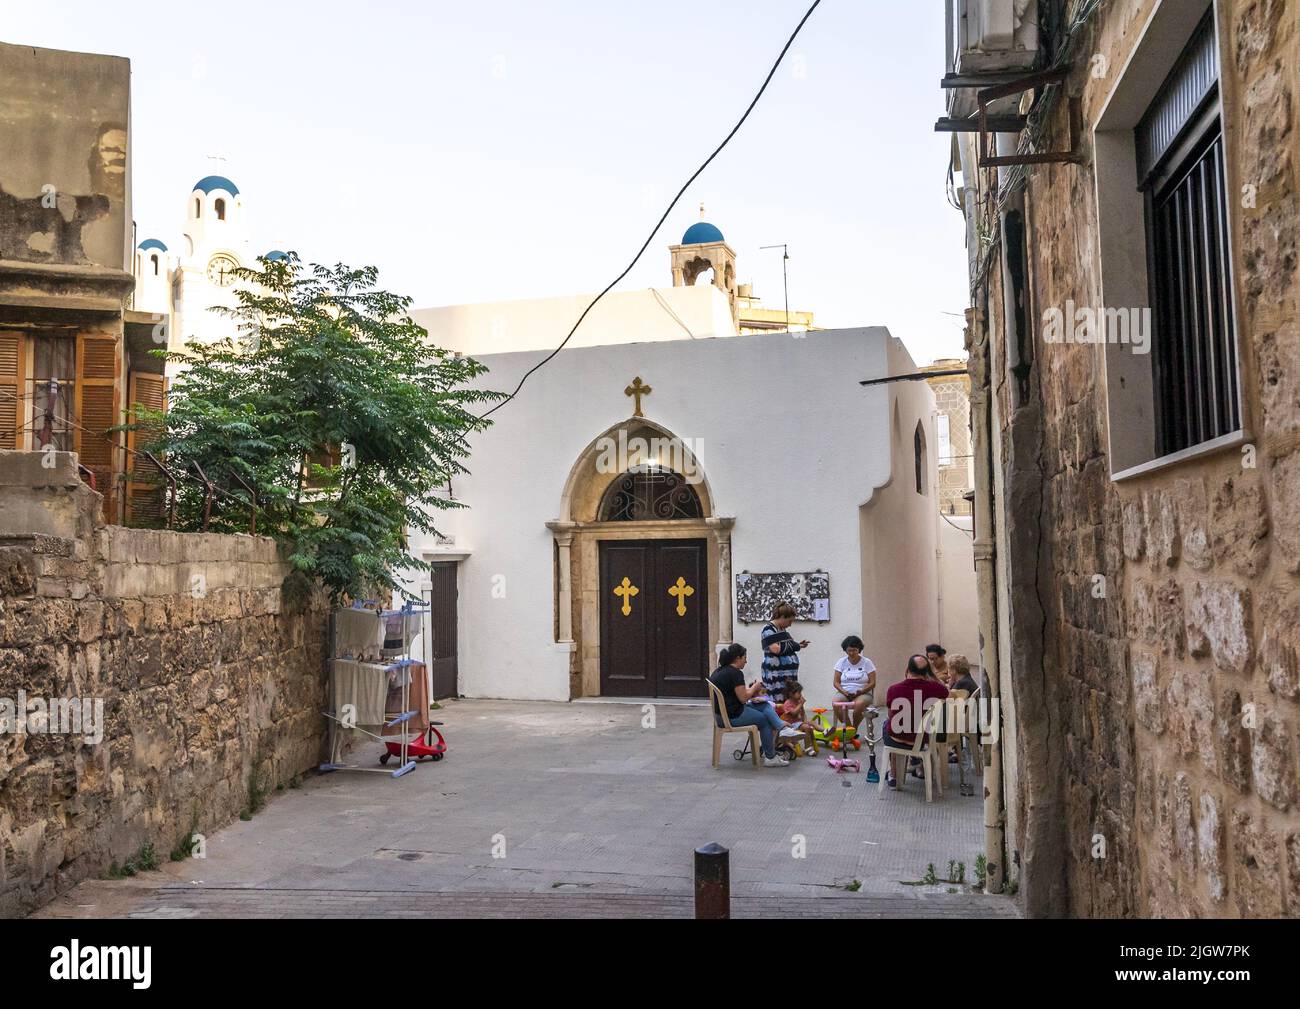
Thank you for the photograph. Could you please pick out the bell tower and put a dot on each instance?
(703, 248)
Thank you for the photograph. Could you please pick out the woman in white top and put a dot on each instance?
(855, 678)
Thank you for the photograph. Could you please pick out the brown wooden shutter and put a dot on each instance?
(146, 490)
(97, 411)
(13, 353)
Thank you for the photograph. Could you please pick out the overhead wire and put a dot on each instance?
(659, 224)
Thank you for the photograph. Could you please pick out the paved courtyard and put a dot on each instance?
(544, 809)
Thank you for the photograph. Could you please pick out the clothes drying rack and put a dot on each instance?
(392, 659)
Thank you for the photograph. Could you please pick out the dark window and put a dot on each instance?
(197, 207)
(650, 492)
(220, 207)
(1180, 162)
(53, 391)
(918, 449)
(154, 260)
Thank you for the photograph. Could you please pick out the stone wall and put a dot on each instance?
(211, 674)
(1167, 709)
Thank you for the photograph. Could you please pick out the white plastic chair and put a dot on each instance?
(922, 747)
(718, 707)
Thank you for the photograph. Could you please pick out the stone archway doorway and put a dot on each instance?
(653, 514)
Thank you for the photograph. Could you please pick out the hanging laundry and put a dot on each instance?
(417, 700)
(364, 686)
(358, 633)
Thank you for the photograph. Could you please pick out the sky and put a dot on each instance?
(507, 149)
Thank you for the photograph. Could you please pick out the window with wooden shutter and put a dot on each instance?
(12, 358)
(146, 489)
(97, 411)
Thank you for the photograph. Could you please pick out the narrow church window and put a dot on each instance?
(650, 492)
(220, 207)
(198, 208)
(918, 448)
(154, 260)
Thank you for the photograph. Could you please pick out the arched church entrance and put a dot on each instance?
(642, 567)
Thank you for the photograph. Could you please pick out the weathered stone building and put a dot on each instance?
(72, 358)
(1138, 538)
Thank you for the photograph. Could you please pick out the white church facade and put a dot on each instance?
(651, 487)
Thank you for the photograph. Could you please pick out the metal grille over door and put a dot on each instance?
(650, 493)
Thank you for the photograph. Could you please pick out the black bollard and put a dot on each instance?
(712, 881)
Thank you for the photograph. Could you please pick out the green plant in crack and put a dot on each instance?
(145, 859)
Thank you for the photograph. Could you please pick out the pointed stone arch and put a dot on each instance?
(590, 476)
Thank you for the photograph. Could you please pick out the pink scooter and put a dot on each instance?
(842, 763)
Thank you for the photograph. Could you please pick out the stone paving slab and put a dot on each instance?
(539, 800)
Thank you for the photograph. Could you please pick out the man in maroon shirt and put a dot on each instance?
(909, 699)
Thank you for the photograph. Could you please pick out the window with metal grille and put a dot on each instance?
(650, 492)
(1179, 144)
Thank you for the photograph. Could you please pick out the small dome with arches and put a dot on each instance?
(209, 183)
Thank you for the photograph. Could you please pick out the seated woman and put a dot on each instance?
(855, 680)
(748, 705)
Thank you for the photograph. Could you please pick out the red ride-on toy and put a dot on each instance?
(428, 745)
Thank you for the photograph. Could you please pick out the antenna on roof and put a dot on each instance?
(785, 277)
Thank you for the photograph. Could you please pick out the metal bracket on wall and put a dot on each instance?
(1042, 78)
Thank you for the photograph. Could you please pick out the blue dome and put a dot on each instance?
(211, 182)
(274, 255)
(152, 243)
(700, 233)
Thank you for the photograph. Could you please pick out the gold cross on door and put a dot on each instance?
(626, 590)
(681, 590)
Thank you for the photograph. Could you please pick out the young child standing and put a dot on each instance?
(780, 652)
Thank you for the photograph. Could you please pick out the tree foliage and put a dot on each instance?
(334, 408)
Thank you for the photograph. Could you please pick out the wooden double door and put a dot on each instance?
(654, 620)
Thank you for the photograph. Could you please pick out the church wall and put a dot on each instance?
(898, 535)
(791, 466)
(671, 313)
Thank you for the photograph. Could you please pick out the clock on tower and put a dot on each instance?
(221, 270)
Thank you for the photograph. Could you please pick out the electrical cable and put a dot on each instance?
(669, 309)
(681, 192)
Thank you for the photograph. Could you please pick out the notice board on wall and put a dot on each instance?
(757, 594)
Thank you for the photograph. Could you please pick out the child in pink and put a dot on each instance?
(791, 711)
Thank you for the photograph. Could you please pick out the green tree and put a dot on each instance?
(333, 407)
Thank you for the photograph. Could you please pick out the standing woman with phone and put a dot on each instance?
(780, 652)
